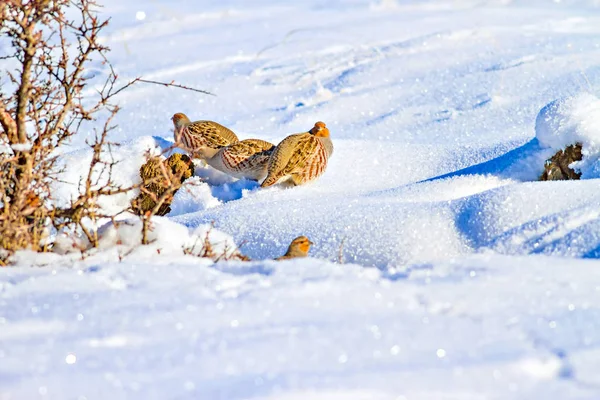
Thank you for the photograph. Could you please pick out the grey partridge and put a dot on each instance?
(201, 138)
(245, 159)
(300, 158)
(298, 248)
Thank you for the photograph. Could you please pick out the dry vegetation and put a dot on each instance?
(161, 179)
(45, 99)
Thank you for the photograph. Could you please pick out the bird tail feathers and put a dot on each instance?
(269, 181)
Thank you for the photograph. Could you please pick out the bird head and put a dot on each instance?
(180, 119)
(320, 129)
(301, 244)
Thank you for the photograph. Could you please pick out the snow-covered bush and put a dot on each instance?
(50, 46)
(164, 237)
(54, 52)
(570, 121)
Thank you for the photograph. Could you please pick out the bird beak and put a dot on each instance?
(309, 242)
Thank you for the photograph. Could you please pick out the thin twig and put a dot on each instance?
(341, 251)
(172, 84)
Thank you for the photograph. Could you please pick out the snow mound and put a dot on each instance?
(570, 120)
(165, 237)
(194, 195)
(222, 244)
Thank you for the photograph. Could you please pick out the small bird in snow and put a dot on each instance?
(201, 138)
(245, 159)
(298, 248)
(300, 158)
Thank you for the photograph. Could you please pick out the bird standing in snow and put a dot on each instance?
(298, 248)
(201, 138)
(300, 158)
(245, 159)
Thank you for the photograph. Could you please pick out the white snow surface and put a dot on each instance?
(464, 278)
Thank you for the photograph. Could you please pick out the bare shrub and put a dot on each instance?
(43, 104)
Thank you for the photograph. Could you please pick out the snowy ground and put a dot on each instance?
(464, 278)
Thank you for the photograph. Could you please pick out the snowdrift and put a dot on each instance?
(494, 205)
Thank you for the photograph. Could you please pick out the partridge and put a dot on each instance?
(201, 138)
(298, 248)
(300, 158)
(245, 159)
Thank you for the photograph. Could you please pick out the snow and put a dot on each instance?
(22, 147)
(265, 330)
(569, 120)
(194, 195)
(164, 237)
(463, 276)
(573, 120)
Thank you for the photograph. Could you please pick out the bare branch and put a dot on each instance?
(172, 84)
(340, 257)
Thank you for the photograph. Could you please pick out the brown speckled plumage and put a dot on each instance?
(245, 159)
(298, 248)
(201, 136)
(300, 158)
